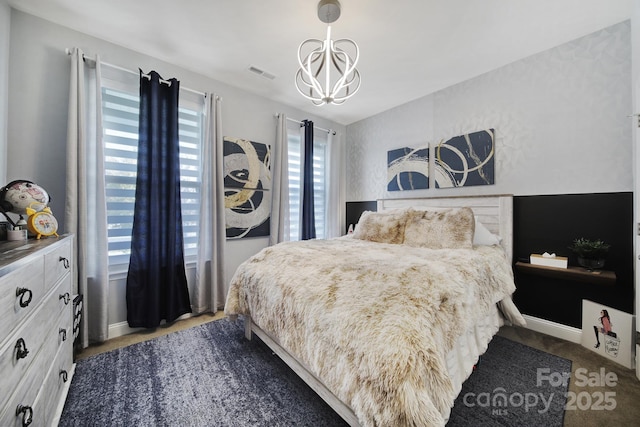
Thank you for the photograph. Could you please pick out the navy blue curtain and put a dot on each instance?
(308, 230)
(156, 281)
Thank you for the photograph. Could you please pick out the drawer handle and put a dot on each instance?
(21, 292)
(65, 262)
(63, 332)
(65, 297)
(64, 375)
(27, 414)
(21, 348)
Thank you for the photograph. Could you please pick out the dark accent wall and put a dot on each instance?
(551, 223)
(355, 209)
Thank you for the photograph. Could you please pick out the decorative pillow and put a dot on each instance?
(483, 237)
(382, 227)
(440, 229)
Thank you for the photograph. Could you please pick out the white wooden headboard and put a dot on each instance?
(494, 212)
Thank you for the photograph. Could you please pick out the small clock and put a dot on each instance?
(42, 223)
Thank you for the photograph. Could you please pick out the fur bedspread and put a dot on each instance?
(374, 321)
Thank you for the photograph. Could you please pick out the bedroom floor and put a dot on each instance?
(148, 334)
(627, 389)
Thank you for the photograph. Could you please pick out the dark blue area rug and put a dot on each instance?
(210, 375)
(513, 385)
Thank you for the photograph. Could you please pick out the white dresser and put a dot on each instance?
(36, 336)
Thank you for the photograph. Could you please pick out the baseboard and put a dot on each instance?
(638, 361)
(119, 329)
(122, 328)
(554, 329)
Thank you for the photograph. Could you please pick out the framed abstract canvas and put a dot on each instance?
(465, 160)
(247, 181)
(408, 169)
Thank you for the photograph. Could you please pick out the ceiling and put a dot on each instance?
(408, 48)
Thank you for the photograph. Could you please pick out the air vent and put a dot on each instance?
(261, 72)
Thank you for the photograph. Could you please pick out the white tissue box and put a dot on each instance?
(549, 261)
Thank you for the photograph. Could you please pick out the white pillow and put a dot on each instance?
(483, 237)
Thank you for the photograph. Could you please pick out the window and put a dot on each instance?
(120, 109)
(320, 150)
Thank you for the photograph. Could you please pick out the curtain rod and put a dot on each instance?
(277, 115)
(126, 70)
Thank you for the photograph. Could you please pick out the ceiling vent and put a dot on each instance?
(261, 72)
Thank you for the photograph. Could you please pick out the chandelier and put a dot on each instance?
(328, 73)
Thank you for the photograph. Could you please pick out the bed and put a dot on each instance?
(386, 324)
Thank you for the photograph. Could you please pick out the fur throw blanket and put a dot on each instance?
(373, 321)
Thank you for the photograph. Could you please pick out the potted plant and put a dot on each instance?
(591, 253)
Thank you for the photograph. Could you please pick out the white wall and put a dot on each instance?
(5, 17)
(560, 118)
(38, 96)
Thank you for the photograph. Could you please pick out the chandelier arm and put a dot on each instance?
(356, 80)
(334, 60)
(349, 75)
(309, 97)
(315, 99)
(339, 84)
(322, 59)
(328, 49)
(306, 75)
(300, 78)
(315, 84)
(357, 52)
(341, 56)
(350, 42)
(302, 45)
(348, 78)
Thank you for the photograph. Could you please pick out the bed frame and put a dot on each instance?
(494, 212)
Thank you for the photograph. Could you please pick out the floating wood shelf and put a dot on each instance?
(578, 274)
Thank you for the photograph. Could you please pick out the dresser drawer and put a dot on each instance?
(57, 377)
(59, 333)
(30, 280)
(41, 331)
(25, 396)
(57, 263)
(62, 298)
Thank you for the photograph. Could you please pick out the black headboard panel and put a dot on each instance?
(355, 209)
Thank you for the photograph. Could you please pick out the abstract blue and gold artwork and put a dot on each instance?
(247, 179)
(465, 160)
(407, 169)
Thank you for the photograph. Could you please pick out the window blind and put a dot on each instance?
(295, 182)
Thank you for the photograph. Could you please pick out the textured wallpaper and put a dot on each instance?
(560, 118)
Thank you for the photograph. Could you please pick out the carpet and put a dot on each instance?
(513, 385)
(210, 375)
